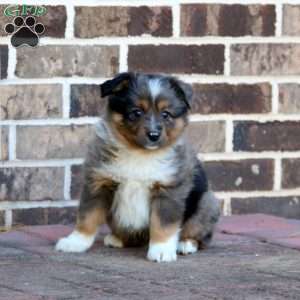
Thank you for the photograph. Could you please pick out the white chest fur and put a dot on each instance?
(131, 205)
(143, 168)
(135, 174)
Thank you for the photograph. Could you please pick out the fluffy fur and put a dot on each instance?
(140, 175)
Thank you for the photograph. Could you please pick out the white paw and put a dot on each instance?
(187, 247)
(163, 252)
(111, 240)
(75, 242)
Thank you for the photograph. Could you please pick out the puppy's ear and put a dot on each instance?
(183, 90)
(117, 84)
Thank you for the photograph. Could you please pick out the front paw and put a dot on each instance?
(162, 252)
(75, 242)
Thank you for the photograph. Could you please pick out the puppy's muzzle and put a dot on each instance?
(153, 136)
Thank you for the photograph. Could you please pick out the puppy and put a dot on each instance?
(140, 175)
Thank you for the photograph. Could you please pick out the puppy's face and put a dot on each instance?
(147, 111)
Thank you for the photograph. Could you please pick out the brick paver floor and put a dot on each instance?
(251, 257)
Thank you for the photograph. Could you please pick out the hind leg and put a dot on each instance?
(197, 231)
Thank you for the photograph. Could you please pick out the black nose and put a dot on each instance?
(153, 136)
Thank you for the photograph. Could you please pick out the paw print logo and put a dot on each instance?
(24, 32)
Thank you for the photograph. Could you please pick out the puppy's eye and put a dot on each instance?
(166, 115)
(135, 114)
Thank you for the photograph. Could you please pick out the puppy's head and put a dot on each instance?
(147, 111)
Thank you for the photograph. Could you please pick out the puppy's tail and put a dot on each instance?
(209, 213)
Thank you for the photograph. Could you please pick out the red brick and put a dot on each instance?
(207, 136)
(227, 20)
(223, 176)
(54, 21)
(86, 100)
(4, 140)
(289, 98)
(67, 61)
(265, 59)
(99, 21)
(30, 101)
(291, 173)
(52, 141)
(291, 20)
(269, 136)
(76, 181)
(233, 99)
(31, 184)
(44, 216)
(204, 59)
(2, 217)
(287, 207)
(242, 175)
(156, 21)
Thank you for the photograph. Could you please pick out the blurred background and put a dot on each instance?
(242, 58)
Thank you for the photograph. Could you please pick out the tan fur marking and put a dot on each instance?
(162, 104)
(89, 223)
(99, 182)
(190, 230)
(177, 130)
(159, 233)
(122, 133)
(117, 118)
(121, 86)
(143, 104)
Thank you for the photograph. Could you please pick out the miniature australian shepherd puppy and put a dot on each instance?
(140, 175)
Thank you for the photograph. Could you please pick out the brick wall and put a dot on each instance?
(242, 58)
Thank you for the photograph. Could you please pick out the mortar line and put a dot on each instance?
(8, 219)
(229, 136)
(70, 11)
(53, 122)
(67, 183)
(260, 118)
(7, 205)
(277, 174)
(257, 194)
(151, 40)
(66, 94)
(191, 78)
(41, 163)
(222, 156)
(123, 58)
(12, 61)
(227, 206)
(176, 19)
(12, 144)
(227, 60)
(279, 24)
(275, 98)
